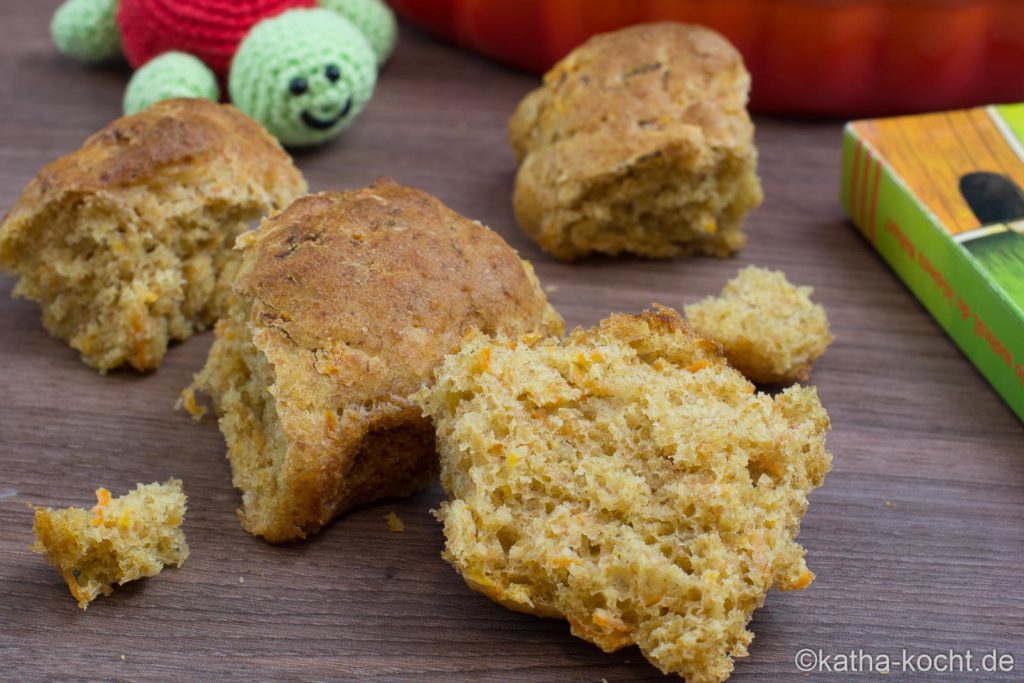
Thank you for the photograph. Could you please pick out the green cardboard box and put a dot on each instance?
(941, 197)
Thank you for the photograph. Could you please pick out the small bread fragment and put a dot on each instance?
(345, 303)
(117, 541)
(127, 242)
(627, 479)
(395, 523)
(769, 329)
(639, 141)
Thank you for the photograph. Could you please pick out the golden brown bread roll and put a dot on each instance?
(639, 141)
(127, 242)
(345, 303)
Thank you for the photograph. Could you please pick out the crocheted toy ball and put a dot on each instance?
(207, 29)
(302, 68)
(303, 91)
(172, 74)
(87, 30)
(375, 21)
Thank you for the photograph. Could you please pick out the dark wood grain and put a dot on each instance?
(913, 424)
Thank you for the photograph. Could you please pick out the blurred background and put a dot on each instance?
(827, 58)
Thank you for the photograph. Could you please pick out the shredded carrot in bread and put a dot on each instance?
(102, 500)
(483, 359)
(803, 582)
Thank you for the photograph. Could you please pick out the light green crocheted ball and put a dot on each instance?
(87, 30)
(305, 75)
(172, 74)
(374, 18)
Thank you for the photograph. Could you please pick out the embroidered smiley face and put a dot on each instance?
(305, 75)
(324, 118)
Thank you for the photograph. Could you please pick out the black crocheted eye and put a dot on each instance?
(298, 85)
(333, 73)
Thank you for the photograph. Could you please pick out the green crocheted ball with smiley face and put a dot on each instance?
(303, 91)
(302, 68)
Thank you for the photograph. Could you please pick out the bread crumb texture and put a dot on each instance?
(117, 541)
(627, 479)
(394, 522)
(769, 329)
(127, 242)
(638, 141)
(345, 303)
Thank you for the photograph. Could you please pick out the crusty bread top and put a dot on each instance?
(651, 76)
(192, 142)
(356, 296)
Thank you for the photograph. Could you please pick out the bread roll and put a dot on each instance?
(127, 242)
(639, 141)
(345, 303)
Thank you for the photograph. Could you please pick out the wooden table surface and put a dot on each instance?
(916, 537)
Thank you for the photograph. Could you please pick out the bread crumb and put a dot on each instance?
(117, 541)
(600, 479)
(889, 504)
(550, 289)
(769, 329)
(122, 658)
(395, 524)
(241, 579)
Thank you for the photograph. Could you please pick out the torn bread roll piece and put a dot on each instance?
(127, 242)
(639, 141)
(344, 305)
(117, 541)
(627, 479)
(769, 329)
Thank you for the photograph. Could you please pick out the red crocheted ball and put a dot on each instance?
(207, 29)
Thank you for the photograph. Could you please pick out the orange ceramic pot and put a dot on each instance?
(816, 57)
